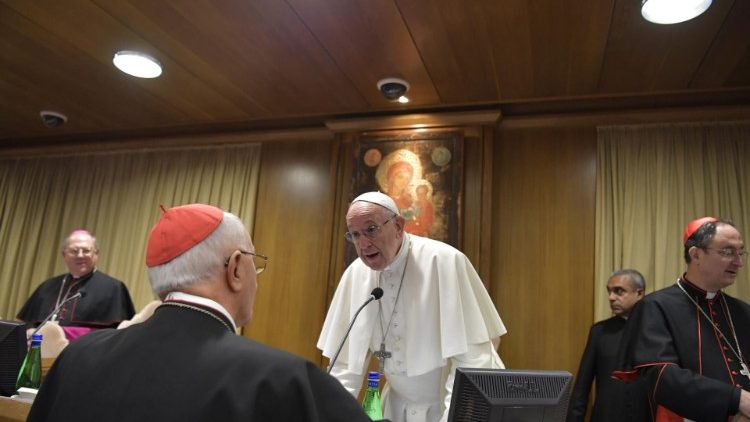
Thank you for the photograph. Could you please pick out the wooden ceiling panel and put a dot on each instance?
(240, 64)
(165, 35)
(83, 41)
(739, 78)
(38, 74)
(568, 44)
(369, 41)
(450, 34)
(261, 47)
(548, 49)
(587, 27)
(646, 57)
(509, 27)
(68, 60)
(723, 65)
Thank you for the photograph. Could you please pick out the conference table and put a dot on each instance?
(12, 410)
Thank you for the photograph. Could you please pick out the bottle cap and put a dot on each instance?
(373, 375)
(37, 337)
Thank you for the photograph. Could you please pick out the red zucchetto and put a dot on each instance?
(179, 229)
(695, 225)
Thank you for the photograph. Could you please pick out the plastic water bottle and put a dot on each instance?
(30, 375)
(371, 402)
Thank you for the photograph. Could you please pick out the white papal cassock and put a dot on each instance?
(443, 318)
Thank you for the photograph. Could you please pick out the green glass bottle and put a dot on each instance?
(371, 402)
(30, 375)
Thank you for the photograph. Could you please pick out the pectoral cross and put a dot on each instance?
(744, 371)
(382, 355)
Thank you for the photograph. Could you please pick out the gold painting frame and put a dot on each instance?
(422, 170)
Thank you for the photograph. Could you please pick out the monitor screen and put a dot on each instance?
(494, 395)
(12, 353)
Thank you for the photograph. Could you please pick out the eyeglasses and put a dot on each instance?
(260, 261)
(730, 252)
(371, 232)
(82, 251)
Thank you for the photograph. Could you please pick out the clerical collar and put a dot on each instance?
(695, 290)
(202, 301)
(398, 262)
(85, 276)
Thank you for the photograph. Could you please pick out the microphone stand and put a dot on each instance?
(55, 311)
(376, 295)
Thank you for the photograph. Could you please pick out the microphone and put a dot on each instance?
(376, 294)
(54, 312)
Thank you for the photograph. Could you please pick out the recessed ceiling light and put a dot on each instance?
(137, 64)
(672, 11)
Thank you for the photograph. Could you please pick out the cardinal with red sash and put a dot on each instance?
(687, 345)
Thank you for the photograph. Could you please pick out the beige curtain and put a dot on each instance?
(651, 181)
(116, 196)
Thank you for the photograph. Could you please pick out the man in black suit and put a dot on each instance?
(615, 400)
(186, 362)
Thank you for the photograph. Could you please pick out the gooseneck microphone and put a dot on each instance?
(54, 312)
(376, 294)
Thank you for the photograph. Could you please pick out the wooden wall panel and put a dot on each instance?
(532, 239)
(543, 244)
(474, 235)
(294, 218)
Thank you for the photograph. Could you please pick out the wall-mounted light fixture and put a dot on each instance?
(672, 11)
(137, 64)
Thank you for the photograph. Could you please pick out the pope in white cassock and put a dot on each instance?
(435, 314)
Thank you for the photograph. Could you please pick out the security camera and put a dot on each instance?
(393, 88)
(52, 118)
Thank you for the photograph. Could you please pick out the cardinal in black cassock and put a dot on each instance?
(687, 345)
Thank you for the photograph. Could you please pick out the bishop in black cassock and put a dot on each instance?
(687, 345)
(106, 302)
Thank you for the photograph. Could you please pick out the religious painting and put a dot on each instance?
(422, 171)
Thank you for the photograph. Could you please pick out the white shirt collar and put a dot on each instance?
(400, 259)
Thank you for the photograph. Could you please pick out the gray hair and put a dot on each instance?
(203, 261)
(636, 278)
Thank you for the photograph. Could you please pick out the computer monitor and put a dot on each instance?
(12, 353)
(495, 395)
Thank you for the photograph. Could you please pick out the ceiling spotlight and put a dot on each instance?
(52, 118)
(672, 11)
(137, 64)
(393, 89)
